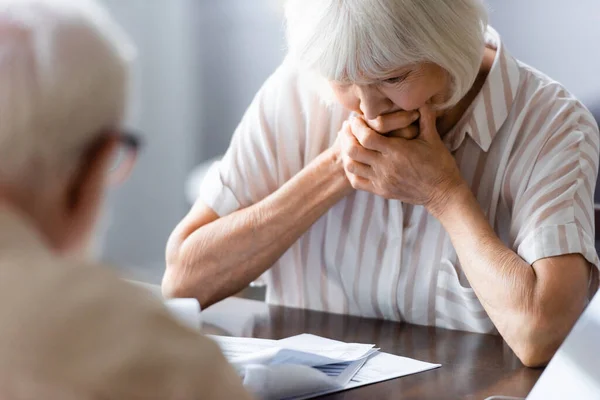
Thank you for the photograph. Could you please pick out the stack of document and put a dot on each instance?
(306, 366)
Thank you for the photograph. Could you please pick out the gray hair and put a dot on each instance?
(364, 40)
(64, 69)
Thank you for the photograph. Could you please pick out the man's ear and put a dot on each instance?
(85, 189)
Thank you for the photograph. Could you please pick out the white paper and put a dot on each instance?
(236, 317)
(235, 347)
(295, 366)
(186, 311)
(344, 372)
(300, 367)
(384, 366)
(378, 368)
(299, 350)
(331, 349)
(270, 382)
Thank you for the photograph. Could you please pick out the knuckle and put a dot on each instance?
(351, 167)
(406, 119)
(345, 161)
(368, 140)
(378, 124)
(409, 132)
(346, 129)
(353, 150)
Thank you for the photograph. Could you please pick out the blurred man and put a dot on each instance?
(70, 330)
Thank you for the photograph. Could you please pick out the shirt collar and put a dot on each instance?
(491, 107)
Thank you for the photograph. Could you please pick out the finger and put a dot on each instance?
(367, 137)
(393, 121)
(428, 129)
(359, 183)
(353, 149)
(409, 133)
(357, 168)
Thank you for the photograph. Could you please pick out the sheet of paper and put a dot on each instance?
(331, 349)
(300, 350)
(236, 347)
(269, 382)
(236, 317)
(270, 370)
(378, 368)
(344, 372)
(283, 372)
(187, 311)
(384, 366)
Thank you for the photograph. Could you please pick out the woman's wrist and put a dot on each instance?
(451, 201)
(330, 163)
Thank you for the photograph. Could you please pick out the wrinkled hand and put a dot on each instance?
(397, 124)
(420, 171)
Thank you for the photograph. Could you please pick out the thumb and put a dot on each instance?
(427, 127)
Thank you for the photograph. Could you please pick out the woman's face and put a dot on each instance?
(405, 89)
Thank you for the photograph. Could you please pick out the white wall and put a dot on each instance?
(200, 63)
(142, 212)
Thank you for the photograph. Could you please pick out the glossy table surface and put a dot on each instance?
(474, 366)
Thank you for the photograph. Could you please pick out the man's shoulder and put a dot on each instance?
(85, 323)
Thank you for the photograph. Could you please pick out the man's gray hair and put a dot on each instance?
(365, 40)
(64, 70)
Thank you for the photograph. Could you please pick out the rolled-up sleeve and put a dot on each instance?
(216, 194)
(554, 214)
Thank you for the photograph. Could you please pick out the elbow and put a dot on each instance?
(171, 289)
(177, 286)
(533, 355)
(173, 286)
(174, 282)
(183, 278)
(537, 345)
(542, 331)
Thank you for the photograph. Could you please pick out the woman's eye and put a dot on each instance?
(396, 79)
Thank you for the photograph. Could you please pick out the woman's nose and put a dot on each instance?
(372, 102)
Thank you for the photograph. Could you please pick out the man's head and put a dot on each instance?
(64, 68)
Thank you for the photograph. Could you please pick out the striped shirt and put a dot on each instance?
(528, 149)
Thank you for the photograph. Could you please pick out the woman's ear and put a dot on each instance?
(85, 191)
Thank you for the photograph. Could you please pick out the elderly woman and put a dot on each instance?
(401, 164)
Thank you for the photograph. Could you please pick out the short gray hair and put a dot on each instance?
(64, 70)
(363, 40)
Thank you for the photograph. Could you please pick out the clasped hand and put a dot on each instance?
(393, 159)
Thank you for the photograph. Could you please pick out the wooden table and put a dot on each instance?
(474, 366)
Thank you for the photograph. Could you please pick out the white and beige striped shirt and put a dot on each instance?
(528, 149)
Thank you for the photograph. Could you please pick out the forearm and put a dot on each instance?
(223, 257)
(508, 287)
(501, 279)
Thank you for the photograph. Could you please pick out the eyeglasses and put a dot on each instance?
(127, 153)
